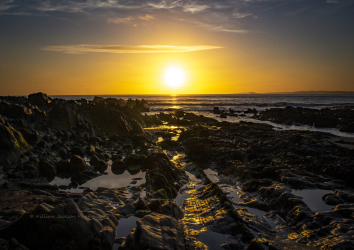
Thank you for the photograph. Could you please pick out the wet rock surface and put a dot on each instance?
(342, 118)
(100, 175)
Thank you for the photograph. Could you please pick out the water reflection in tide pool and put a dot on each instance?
(213, 240)
(192, 177)
(185, 190)
(212, 175)
(231, 192)
(313, 198)
(254, 211)
(181, 197)
(110, 180)
(125, 226)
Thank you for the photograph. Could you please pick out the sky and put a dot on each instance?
(97, 47)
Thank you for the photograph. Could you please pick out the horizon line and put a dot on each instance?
(313, 92)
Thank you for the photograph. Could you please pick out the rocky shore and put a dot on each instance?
(102, 174)
(340, 117)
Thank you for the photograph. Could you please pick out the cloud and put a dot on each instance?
(240, 15)
(84, 48)
(234, 13)
(147, 17)
(195, 7)
(218, 28)
(5, 5)
(121, 20)
(130, 18)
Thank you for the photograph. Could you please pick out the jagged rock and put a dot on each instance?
(332, 199)
(250, 111)
(63, 153)
(98, 164)
(77, 151)
(118, 165)
(77, 164)
(63, 116)
(47, 170)
(39, 99)
(31, 136)
(128, 209)
(156, 231)
(136, 127)
(216, 110)
(63, 227)
(12, 144)
(63, 167)
(106, 119)
(255, 245)
(163, 206)
(98, 99)
(15, 111)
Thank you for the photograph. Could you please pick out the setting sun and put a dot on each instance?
(174, 76)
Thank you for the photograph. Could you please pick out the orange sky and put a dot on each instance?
(221, 48)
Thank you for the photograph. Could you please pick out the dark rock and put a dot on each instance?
(42, 144)
(98, 164)
(98, 99)
(63, 227)
(118, 166)
(63, 153)
(39, 99)
(48, 200)
(156, 231)
(332, 199)
(216, 110)
(255, 245)
(47, 170)
(63, 167)
(120, 240)
(31, 136)
(12, 144)
(77, 164)
(63, 116)
(163, 206)
(77, 151)
(250, 111)
(128, 209)
(19, 113)
(136, 127)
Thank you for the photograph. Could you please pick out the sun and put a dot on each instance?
(174, 76)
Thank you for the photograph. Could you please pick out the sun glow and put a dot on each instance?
(174, 76)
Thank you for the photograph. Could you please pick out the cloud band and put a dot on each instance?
(84, 48)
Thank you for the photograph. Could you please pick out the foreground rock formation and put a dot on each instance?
(193, 183)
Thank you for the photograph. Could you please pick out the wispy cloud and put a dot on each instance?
(240, 15)
(233, 12)
(129, 19)
(120, 20)
(218, 28)
(146, 17)
(84, 48)
(6, 4)
(195, 7)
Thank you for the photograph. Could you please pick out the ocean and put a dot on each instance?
(236, 102)
(203, 104)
